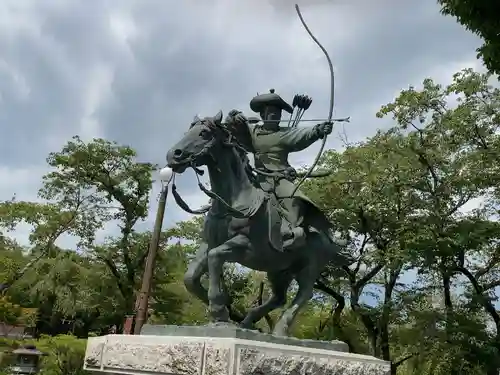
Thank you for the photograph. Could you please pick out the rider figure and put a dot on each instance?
(271, 145)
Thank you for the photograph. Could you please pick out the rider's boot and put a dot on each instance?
(293, 237)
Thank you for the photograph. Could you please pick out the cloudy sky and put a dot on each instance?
(137, 71)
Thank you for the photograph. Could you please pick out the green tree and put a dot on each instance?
(48, 221)
(113, 185)
(481, 18)
(12, 259)
(61, 286)
(170, 301)
(12, 314)
(93, 184)
(367, 202)
(398, 198)
(43, 275)
(456, 149)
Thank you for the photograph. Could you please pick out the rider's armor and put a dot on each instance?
(271, 145)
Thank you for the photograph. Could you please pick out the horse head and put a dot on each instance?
(198, 144)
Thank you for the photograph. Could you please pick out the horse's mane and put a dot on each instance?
(242, 133)
(242, 153)
(241, 142)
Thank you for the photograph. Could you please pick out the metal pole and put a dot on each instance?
(147, 277)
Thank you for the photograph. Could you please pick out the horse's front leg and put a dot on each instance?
(216, 259)
(196, 269)
(192, 280)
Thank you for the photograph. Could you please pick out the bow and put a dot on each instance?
(332, 100)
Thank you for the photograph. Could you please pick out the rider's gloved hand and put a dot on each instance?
(235, 117)
(324, 129)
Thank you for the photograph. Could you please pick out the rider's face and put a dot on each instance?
(271, 116)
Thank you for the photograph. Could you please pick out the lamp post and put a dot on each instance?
(166, 175)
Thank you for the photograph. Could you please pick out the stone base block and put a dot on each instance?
(221, 330)
(222, 355)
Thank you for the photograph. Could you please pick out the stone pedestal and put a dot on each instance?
(223, 351)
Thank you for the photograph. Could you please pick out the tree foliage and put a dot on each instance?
(481, 18)
(417, 204)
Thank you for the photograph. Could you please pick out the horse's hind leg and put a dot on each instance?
(196, 269)
(306, 279)
(279, 286)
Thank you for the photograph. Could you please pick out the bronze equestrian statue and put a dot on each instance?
(244, 225)
(257, 216)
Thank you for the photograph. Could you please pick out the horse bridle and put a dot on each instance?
(191, 162)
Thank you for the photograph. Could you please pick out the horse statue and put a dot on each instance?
(243, 225)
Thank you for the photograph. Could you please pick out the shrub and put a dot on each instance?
(65, 353)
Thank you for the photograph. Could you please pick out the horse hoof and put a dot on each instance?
(280, 332)
(222, 324)
(249, 327)
(219, 314)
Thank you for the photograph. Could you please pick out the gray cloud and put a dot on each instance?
(138, 71)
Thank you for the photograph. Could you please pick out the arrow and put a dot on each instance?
(254, 120)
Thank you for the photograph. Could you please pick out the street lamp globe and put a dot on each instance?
(166, 174)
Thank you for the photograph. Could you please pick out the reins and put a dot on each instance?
(212, 195)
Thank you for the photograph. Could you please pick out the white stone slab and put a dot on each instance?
(231, 331)
(177, 355)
